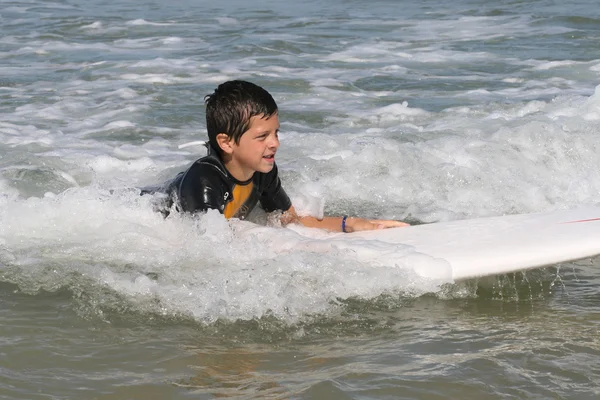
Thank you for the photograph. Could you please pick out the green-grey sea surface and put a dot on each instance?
(422, 111)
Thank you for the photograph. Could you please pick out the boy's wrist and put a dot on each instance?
(349, 225)
(345, 224)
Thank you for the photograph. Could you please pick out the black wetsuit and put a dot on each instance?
(208, 185)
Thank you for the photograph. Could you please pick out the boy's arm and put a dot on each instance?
(201, 189)
(275, 198)
(334, 224)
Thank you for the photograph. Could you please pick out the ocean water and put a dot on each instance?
(421, 111)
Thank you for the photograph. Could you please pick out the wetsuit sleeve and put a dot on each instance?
(272, 196)
(200, 190)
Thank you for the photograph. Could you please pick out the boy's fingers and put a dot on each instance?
(389, 224)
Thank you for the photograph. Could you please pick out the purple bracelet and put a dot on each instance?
(344, 218)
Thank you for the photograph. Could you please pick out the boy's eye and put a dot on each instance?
(264, 136)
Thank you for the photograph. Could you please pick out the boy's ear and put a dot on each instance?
(225, 143)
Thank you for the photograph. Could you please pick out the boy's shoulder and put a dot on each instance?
(209, 168)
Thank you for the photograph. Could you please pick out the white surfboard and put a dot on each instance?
(454, 250)
(497, 245)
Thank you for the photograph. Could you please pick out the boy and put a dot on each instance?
(240, 171)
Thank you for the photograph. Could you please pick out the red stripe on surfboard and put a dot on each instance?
(582, 220)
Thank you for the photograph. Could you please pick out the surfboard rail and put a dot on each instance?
(502, 244)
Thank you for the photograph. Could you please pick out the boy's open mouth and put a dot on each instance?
(270, 157)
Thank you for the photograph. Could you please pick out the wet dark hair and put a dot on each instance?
(230, 107)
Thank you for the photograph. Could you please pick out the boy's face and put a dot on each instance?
(256, 149)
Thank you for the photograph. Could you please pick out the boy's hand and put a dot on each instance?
(360, 224)
(334, 224)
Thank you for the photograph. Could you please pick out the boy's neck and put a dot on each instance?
(234, 169)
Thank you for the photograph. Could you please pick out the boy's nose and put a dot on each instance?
(274, 142)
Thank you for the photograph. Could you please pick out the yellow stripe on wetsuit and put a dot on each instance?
(240, 194)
